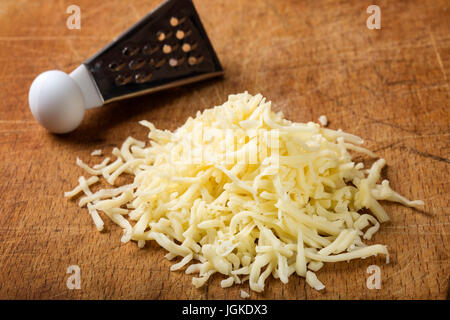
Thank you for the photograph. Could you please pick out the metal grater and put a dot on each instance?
(167, 48)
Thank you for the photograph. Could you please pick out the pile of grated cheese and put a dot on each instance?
(271, 206)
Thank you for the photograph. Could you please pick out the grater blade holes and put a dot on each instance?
(187, 33)
(180, 34)
(167, 49)
(116, 66)
(161, 35)
(174, 21)
(149, 49)
(142, 77)
(136, 64)
(123, 79)
(176, 62)
(158, 63)
(130, 51)
(173, 62)
(186, 47)
(192, 61)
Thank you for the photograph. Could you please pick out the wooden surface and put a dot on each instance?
(389, 86)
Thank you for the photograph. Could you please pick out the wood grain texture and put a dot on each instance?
(389, 86)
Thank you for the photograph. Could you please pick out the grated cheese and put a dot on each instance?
(97, 152)
(312, 280)
(241, 191)
(323, 120)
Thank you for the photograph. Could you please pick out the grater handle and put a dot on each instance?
(58, 100)
(88, 87)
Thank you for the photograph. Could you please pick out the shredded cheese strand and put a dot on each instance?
(241, 191)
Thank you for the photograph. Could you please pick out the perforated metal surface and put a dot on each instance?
(167, 48)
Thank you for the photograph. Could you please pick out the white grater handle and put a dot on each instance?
(58, 100)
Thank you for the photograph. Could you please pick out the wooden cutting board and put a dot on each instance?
(389, 86)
